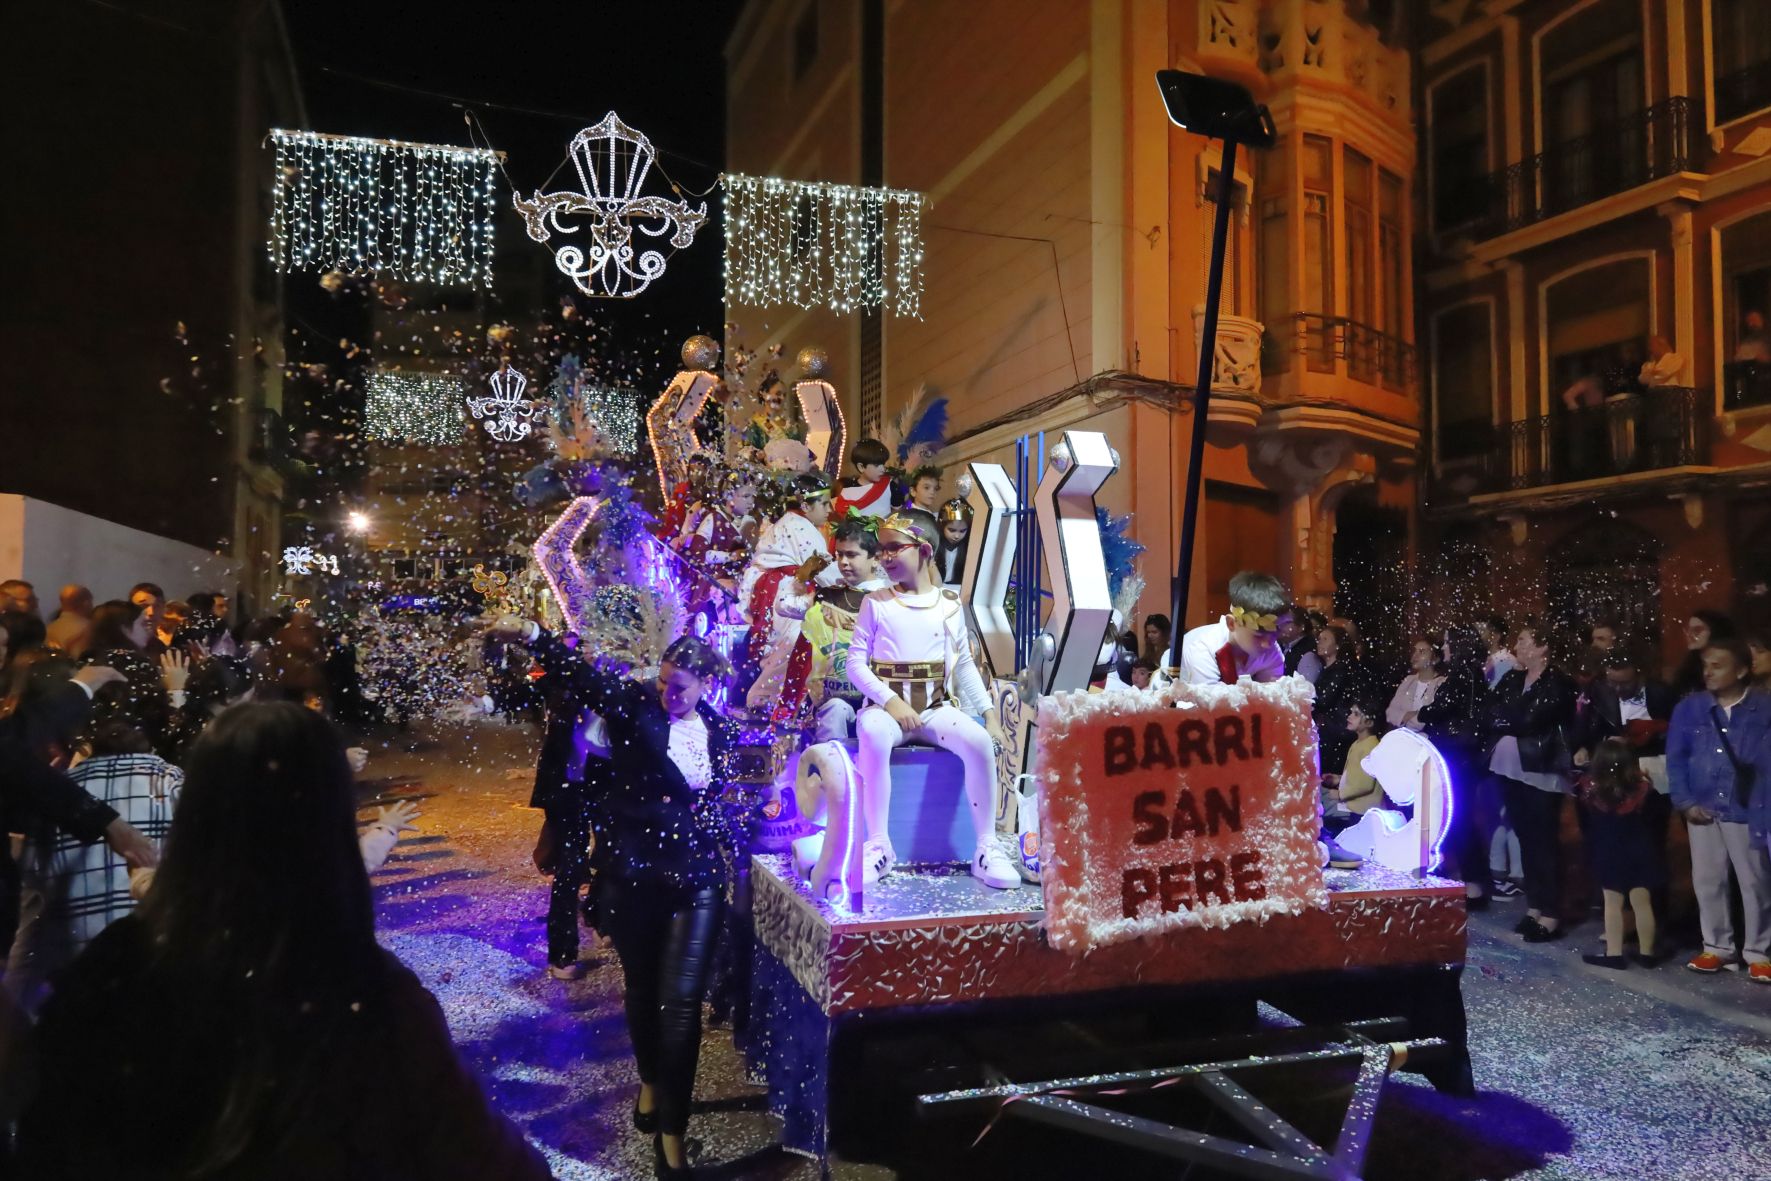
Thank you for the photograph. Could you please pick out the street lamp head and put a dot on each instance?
(357, 522)
(1215, 108)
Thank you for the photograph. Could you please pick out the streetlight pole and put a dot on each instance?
(1217, 110)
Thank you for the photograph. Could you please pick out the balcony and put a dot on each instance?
(1648, 145)
(1743, 92)
(1661, 428)
(1746, 384)
(1372, 356)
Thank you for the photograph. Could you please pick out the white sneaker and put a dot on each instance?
(992, 866)
(877, 859)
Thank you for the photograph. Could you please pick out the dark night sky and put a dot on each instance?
(659, 65)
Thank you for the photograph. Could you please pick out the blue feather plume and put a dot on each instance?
(928, 431)
(1119, 551)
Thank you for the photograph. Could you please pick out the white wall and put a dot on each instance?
(50, 546)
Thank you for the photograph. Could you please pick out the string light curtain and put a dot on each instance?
(420, 212)
(811, 244)
(616, 413)
(423, 408)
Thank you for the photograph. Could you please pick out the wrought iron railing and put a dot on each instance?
(1743, 92)
(1654, 142)
(1662, 427)
(1746, 383)
(1372, 356)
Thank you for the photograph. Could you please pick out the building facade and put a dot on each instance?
(1595, 277)
(146, 393)
(1066, 243)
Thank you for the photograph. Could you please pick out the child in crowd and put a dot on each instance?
(1614, 798)
(910, 656)
(788, 559)
(1245, 641)
(830, 624)
(925, 489)
(871, 494)
(1353, 792)
(956, 529)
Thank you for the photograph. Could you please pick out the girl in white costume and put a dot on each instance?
(910, 656)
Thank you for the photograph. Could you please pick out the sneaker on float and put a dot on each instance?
(994, 867)
(1759, 973)
(877, 859)
(1706, 962)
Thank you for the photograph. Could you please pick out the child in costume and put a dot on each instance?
(871, 495)
(956, 530)
(830, 624)
(925, 489)
(1242, 643)
(910, 656)
(792, 551)
(713, 541)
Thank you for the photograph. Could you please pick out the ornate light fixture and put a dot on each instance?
(612, 160)
(506, 411)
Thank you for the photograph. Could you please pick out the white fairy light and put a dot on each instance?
(506, 411)
(812, 244)
(615, 412)
(419, 212)
(413, 407)
(612, 160)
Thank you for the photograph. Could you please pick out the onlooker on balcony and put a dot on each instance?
(1663, 366)
(1717, 736)
(1703, 628)
(1754, 343)
(1532, 709)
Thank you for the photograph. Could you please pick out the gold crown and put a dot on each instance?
(909, 526)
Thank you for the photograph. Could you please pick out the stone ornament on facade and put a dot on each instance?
(1236, 362)
(612, 161)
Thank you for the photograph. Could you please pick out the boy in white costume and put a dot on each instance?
(792, 551)
(871, 494)
(910, 656)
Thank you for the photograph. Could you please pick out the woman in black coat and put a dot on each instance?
(1337, 687)
(667, 852)
(1532, 710)
(1453, 722)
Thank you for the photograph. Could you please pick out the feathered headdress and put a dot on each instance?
(919, 431)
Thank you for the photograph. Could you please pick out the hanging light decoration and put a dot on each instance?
(614, 411)
(422, 408)
(811, 244)
(506, 411)
(357, 206)
(612, 160)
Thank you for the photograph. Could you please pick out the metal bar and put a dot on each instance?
(1347, 1054)
(1355, 1137)
(1257, 1118)
(1219, 1152)
(1208, 347)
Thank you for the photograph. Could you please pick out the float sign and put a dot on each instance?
(1191, 807)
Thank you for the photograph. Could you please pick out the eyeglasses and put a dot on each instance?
(892, 551)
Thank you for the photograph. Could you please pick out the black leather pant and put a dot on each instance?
(666, 940)
(571, 828)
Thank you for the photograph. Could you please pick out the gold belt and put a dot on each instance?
(922, 684)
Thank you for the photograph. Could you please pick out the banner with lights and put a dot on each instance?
(424, 408)
(411, 211)
(810, 244)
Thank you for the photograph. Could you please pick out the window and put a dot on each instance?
(1318, 170)
(1594, 140)
(1458, 125)
(1463, 379)
(1598, 323)
(1231, 301)
(1746, 305)
(1390, 251)
(1742, 49)
(1276, 306)
(1361, 293)
(805, 40)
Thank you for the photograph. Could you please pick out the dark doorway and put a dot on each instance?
(1605, 566)
(1371, 573)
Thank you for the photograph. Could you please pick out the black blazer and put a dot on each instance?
(1602, 716)
(1454, 717)
(652, 828)
(1531, 713)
